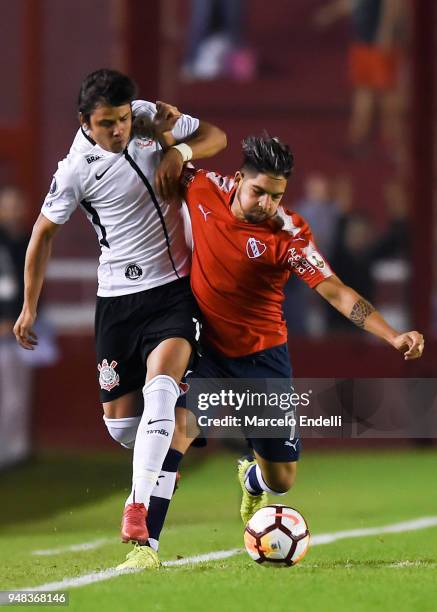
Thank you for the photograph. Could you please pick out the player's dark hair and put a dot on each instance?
(104, 86)
(267, 155)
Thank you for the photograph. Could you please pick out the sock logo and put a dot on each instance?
(162, 432)
(157, 421)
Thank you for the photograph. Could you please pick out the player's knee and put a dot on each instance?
(123, 431)
(282, 479)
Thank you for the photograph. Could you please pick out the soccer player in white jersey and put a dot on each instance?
(146, 323)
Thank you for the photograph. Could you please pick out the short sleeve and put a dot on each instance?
(298, 251)
(143, 108)
(303, 259)
(64, 194)
(185, 127)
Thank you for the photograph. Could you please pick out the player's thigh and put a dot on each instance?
(170, 358)
(128, 405)
(172, 334)
(279, 476)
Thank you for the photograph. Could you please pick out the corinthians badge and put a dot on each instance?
(108, 378)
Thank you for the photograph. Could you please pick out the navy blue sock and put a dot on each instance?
(252, 482)
(161, 496)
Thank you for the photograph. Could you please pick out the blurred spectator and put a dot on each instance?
(16, 364)
(215, 47)
(302, 310)
(14, 375)
(434, 279)
(378, 35)
(356, 250)
(320, 211)
(13, 243)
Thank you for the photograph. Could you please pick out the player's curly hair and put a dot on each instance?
(104, 86)
(268, 155)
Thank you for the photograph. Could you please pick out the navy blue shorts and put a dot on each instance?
(267, 364)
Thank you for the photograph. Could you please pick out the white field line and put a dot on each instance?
(73, 547)
(323, 538)
(421, 523)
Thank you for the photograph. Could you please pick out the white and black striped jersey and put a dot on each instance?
(141, 237)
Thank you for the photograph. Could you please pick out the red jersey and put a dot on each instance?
(239, 269)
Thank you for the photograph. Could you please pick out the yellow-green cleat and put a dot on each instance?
(249, 503)
(141, 557)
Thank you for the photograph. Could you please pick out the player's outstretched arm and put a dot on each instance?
(37, 256)
(206, 141)
(353, 306)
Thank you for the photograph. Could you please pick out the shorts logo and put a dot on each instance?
(255, 248)
(108, 378)
(292, 444)
(316, 260)
(133, 271)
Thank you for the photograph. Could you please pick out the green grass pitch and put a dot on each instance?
(71, 499)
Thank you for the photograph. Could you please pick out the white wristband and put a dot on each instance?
(185, 150)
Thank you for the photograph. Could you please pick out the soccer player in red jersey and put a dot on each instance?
(246, 246)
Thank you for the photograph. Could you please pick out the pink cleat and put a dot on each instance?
(133, 524)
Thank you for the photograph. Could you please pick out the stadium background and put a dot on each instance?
(298, 90)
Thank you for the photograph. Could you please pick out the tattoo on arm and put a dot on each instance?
(360, 311)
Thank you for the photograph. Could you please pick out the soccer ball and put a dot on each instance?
(277, 536)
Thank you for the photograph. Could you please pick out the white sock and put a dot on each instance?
(153, 544)
(154, 436)
(124, 430)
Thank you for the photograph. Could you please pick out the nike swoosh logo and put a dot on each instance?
(157, 421)
(99, 176)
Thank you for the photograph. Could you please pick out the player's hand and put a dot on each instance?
(163, 121)
(23, 332)
(165, 118)
(168, 174)
(411, 344)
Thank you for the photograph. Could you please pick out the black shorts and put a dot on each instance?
(129, 327)
(267, 364)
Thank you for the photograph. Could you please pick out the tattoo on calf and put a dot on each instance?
(360, 311)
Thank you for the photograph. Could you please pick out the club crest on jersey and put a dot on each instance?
(255, 248)
(143, 143)
(108, 378)
(133, 271)
(316, 260)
